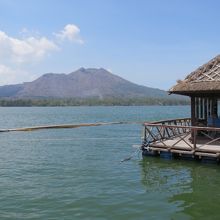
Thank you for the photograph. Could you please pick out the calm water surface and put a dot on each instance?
(77, 174)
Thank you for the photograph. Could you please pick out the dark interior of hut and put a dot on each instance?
(206, 113)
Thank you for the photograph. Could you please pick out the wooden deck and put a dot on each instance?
(177, 137)
(183, 147)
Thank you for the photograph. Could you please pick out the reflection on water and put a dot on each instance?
(192, 188)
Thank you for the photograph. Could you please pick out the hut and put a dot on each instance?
(203, 87)
(198, 136)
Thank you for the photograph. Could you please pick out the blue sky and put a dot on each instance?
(152, 43)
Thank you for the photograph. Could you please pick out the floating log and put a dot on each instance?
(206, 154)
(183, 152)
(66, 126)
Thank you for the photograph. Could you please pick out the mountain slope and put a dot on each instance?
(83, 83)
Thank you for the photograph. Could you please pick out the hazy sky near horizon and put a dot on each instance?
(151, 43)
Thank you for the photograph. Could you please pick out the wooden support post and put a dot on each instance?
(193, 115)
(194, 138)
(145, 135)
(193, 119)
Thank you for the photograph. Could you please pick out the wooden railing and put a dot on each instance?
(159, 131)
(180, 130)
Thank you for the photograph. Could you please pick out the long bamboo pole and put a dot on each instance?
(66, 126)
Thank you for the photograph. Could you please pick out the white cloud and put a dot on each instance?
(71, 33)
(25, 50)
(18, 54)
(12, 76)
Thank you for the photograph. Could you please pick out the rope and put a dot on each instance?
(131, 156)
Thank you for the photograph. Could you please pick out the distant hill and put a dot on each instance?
(83, 83)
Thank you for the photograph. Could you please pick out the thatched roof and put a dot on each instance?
(206, 79)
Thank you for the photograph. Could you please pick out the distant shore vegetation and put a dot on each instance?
(92, 102)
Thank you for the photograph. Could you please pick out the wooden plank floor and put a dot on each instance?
(176, 145)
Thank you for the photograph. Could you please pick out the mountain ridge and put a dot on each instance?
(82, 83)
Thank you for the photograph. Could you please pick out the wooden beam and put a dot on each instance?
(193, 118)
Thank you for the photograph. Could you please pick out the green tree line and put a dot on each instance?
(93, 102)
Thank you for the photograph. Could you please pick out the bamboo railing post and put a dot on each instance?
(194, 138)
(145, 135)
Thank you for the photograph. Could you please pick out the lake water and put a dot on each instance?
(77, 174)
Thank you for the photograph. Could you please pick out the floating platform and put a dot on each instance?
(177, 139)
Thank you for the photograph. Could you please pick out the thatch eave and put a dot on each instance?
(205, 79)
(196, 88)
